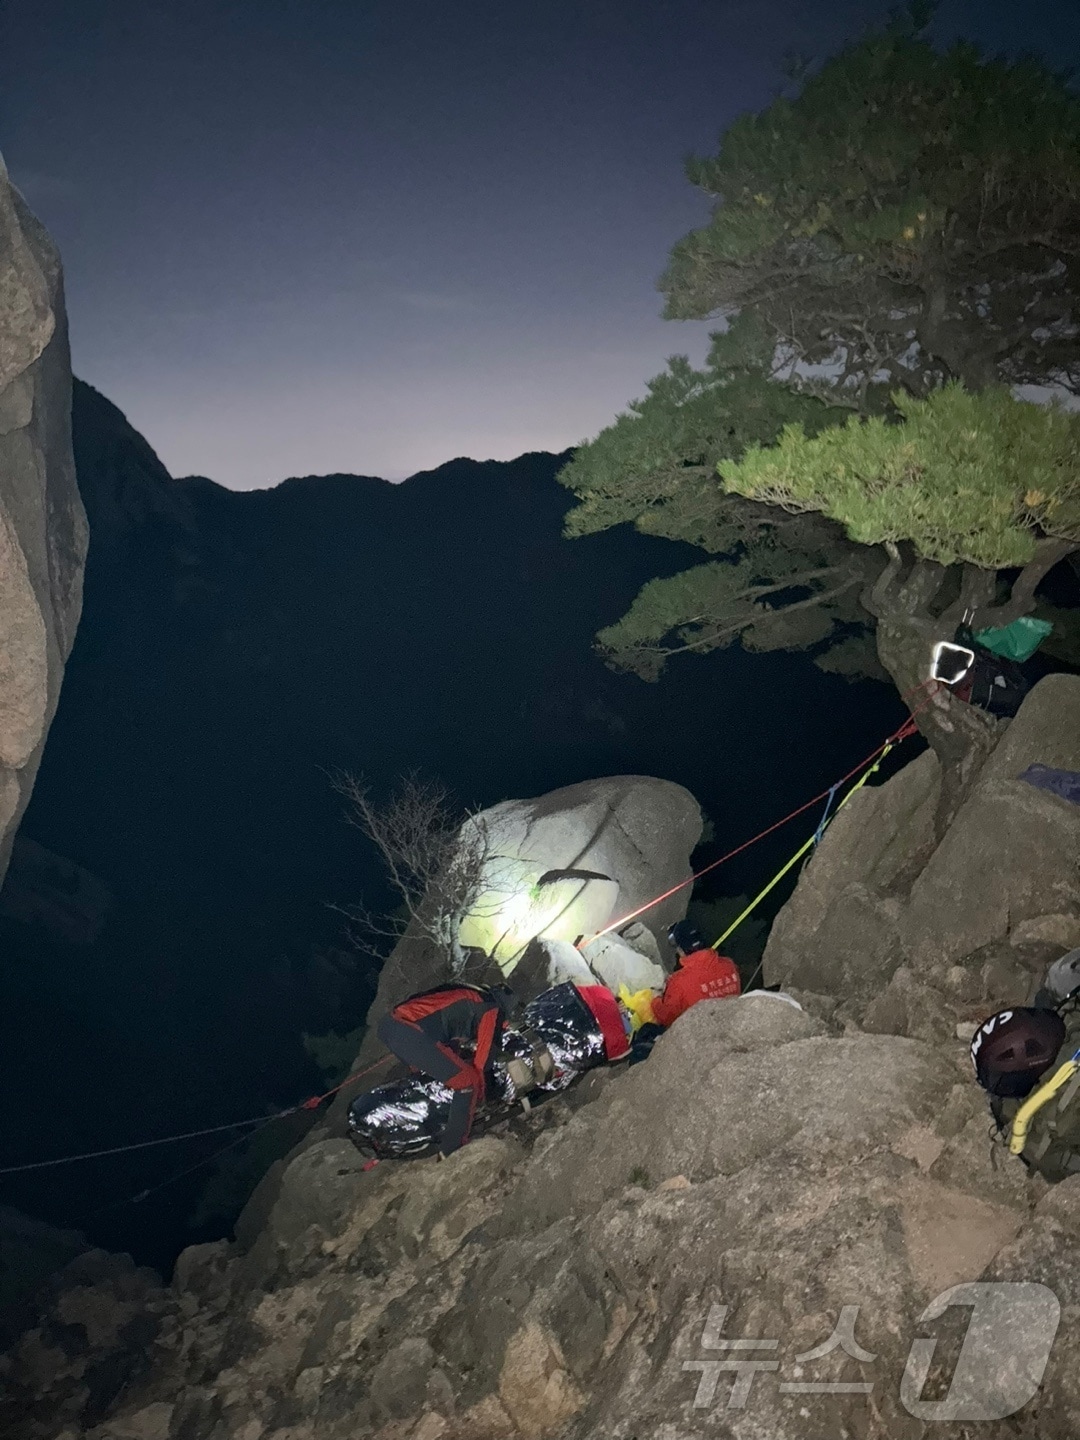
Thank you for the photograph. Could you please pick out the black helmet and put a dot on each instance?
(685, 938)
(1014, 1048)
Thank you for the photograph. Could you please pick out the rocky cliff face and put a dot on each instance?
(915, 938)
(756, 1234)
(42, 524)
(760, 1179)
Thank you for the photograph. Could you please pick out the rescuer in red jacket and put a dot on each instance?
(702, 975)
(452, 1034)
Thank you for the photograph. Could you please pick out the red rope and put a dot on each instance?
(240, 1140)
(314, 1101)
(310, 1104)
(907, 729)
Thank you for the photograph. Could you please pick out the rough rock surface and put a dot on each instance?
(43, 534)
(913, 937)
(757, 1178)
(635, 827)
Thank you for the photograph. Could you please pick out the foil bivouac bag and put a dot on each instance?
(406, 1117)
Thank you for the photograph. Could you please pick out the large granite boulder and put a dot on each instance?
(564, 865)
(43, 535)
(632, 834)
(1013, 852)
(838, 935)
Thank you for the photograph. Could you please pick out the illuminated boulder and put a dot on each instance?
(564, 866)
(633, 832)
(517, 905)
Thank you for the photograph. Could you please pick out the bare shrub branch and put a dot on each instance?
(434, 853)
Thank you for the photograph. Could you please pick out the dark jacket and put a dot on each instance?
(455, 1013)
(452, 1034)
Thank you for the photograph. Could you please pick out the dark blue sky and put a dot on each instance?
(370, 235)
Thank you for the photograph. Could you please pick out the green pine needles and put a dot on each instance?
(964, 477)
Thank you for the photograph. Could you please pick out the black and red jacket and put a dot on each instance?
(455, 1013)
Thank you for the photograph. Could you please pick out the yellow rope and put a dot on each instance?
(799, 853)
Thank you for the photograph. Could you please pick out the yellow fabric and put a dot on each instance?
(639, 1005)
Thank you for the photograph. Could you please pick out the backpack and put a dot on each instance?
(993, 683)
(1051, 1135)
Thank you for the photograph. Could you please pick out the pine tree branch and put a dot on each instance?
(878, 599)
(736, 627)
(1048, 553)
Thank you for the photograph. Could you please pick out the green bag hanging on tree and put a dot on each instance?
(1017, 641)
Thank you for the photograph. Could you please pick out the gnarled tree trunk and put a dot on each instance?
(904, 600)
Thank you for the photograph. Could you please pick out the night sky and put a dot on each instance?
(305, 236)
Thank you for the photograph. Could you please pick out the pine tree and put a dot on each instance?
(895, 252)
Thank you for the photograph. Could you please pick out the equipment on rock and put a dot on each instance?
(406, 1117)
(773, 992)
(1063, 977)
(993, 684)
(984, 668)
(638, 1006)
(1014, 1048)
(644, 1041)
(1029, 1062)
(988, 677)
(1063, 783)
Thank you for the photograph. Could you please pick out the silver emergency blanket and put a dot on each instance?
(407, 1117)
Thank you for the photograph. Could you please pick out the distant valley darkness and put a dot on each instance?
(166, 929)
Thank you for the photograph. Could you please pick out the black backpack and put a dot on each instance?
(993, 683)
